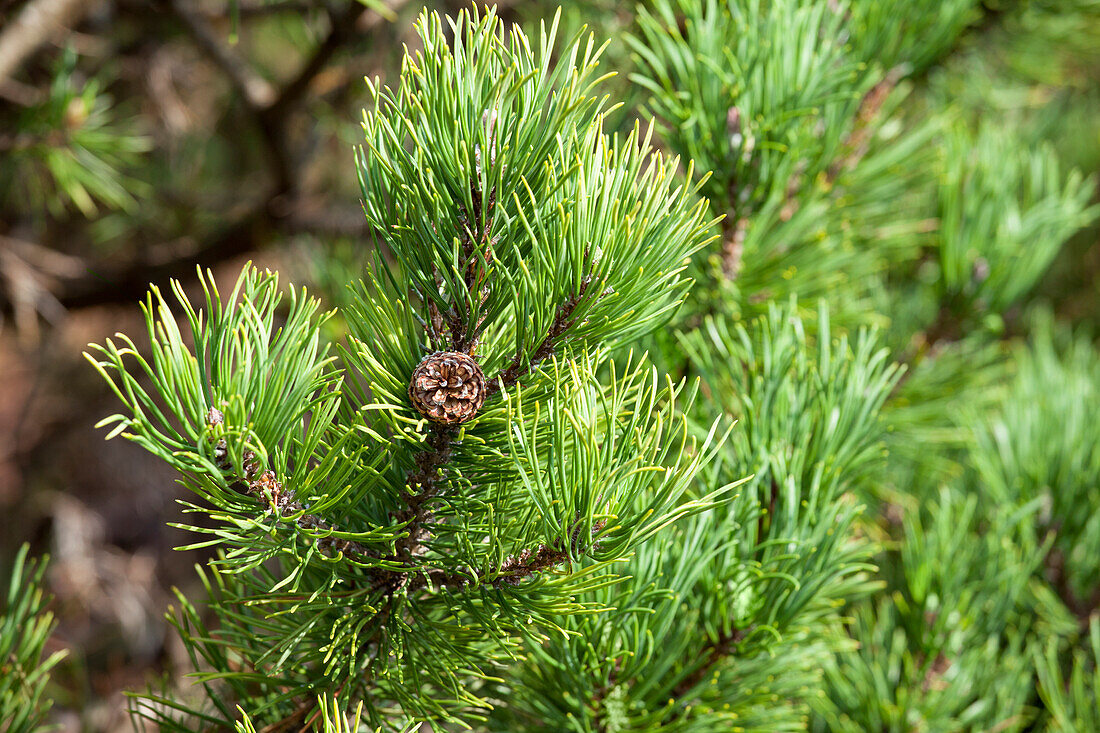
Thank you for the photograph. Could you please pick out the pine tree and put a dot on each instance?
(853, 486)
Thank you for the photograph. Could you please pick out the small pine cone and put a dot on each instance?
(447, 387)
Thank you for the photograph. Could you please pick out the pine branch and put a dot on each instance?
(856, 143)
(265, 486)
(429, 483)
(426, 478)
(714, 651)
(519, 366)
(516, 567)
(25, 627)
(343, 436)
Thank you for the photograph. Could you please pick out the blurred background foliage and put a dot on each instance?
(140, 138)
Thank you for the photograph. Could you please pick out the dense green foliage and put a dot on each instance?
(25, 626)
(853, 484)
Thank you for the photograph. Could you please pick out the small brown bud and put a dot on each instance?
(221, 455)
(733, 121)
(447, 387)
(214, 417)
(251, 465)
(981, 270)
(267, 482)
(76, 113)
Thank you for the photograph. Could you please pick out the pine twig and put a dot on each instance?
(528, 562)
(519, 366)
(733, 245)
(714, 651)
(858, 140)
(515, 568)
(264, 485)
(427, 480)
(426, 477)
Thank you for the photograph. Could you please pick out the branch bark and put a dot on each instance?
(105, 284)
(417, 513)
(343, 29)
(858, 140)
(35, 24)
(271, 213)
(255, 90)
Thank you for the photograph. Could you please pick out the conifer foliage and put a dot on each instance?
(25, 626)
(853, 485)
(719, 602)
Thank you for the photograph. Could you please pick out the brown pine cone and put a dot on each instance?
(447, 387)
